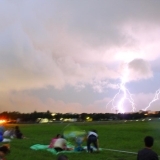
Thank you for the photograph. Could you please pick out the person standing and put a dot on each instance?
(147, 153)
(92, 138)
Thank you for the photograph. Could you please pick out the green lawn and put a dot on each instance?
(123, 136)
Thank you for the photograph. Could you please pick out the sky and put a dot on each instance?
(76, 56)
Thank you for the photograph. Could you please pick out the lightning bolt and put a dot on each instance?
(126, 94)
(156, 97)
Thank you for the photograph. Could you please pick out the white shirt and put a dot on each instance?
(60, 143)
(7, 133)
(92, 133)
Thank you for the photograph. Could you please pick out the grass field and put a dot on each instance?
(123, 136)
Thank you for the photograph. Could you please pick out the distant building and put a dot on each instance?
(70, 120)
(42, 120)
(152, 112)
(148, 112)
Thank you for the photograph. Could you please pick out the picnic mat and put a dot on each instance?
(52, 150)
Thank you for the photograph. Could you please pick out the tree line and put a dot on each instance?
(33, 116)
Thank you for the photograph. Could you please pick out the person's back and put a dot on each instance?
(51, 145)
(92, 138)
(60, 143)
(7, 133)
(147, 153)
(18, 133)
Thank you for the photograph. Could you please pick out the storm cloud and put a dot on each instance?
(74, 43)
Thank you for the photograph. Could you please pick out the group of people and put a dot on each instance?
(59, 143)
(5, 136)
(144, 154)
(10, 133)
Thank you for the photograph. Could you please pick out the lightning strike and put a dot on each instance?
(156, 97)
(126, 95)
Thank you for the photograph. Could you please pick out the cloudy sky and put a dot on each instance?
(77, 55)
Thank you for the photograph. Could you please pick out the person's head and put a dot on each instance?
(94, 131)
(4, 150)
(148, 140)
(58, 136)
(62, 157)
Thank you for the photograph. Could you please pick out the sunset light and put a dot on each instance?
(2, 121)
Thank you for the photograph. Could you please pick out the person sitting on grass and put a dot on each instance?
(18, 133)
(61, 144)
(147, 153)
(9, 133)
(53, 140)
(79, 140)
(4, 150)
(2, 139)
(92, 138)
(2, 129)
(1, 136)
(1, 133)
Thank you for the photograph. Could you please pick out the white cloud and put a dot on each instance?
(59, 43)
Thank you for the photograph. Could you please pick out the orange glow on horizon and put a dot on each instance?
(2, 121)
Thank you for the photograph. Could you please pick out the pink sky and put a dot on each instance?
(68, 56)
